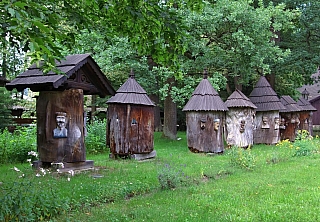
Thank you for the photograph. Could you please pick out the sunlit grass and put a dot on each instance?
(280, 187)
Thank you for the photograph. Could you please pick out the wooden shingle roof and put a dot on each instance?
(238, 99)
(78, 71)
(264, 97)
(290, 104)
(305, 105)
(131, 93)
(205, 98)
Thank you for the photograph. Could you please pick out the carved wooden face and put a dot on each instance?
(61, 121)
(216, 124)
(242, 126)
(276, 122)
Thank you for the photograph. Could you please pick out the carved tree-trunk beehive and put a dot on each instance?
(289, 122)
(60, 111)
(131, 122)
(240, 120)
(267, 113)
(306, 115)
(205, 119)
(63, 149)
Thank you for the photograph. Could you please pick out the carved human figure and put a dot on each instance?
(282, 124)
(216, 124)
(265, 124)
(203, 123)
(60, 131)
(276, 123)
(242, 126)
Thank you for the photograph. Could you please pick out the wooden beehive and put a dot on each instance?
(267, 113)
(205, 119)
(62, 94)
(289, 118)
(130, 120)
(306, 114)
(239, 120)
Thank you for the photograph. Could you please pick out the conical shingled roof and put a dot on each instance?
(305, 105)
(205, 98)
(238, 99)
(131, 93)
(264, 97)
(290, 104)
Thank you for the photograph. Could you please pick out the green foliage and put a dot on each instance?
(5, 104)
(14, 147)
(242, 158)
(95, 140)
(27, 199)
(170, 176)
(305, 145)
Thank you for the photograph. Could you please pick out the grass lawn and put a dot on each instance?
(277, 187)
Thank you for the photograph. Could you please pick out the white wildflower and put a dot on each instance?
(29, 160)
(68, 179)
(71, 172)
(38, 175)
(32, 153)
(21, 175)
(16, 169)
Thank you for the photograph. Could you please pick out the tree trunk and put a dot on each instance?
(93, 107)
(237, 84)
(272, 80)
(157, 118)
(170, 115)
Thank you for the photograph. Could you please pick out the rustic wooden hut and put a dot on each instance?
(131, 122)
(267, 113)
(240, 120)
(205, 118)
(306, 114)
(289, 118)
(60, 111)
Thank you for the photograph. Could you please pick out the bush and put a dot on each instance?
(242, 158)
(14, 147)
(95, 140)
(27, 199)
(170, 176)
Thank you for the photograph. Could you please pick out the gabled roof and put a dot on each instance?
(290, 104)
(305, 105)
(131, 93)
(238, 99)
(78, 71)
(264, 97)
(205, 98)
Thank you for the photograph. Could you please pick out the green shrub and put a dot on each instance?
(242, 158)
(304, 148)
(305, 145)
(14, 147)
(95, 140)
(27, 199)
(170, 176)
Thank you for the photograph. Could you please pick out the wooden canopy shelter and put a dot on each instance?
(289, 118)
(306, 114)
(205, 118)
(131, 121)
(60, 111)
(240, 120)
(267, 113)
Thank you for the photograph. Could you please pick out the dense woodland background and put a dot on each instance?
(167, 44)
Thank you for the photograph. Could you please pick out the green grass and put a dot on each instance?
(279, 188)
